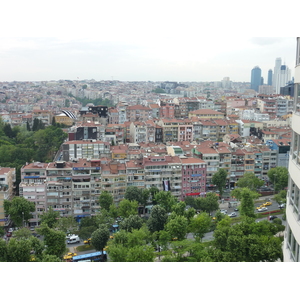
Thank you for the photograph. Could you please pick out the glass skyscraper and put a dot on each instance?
(255, 78)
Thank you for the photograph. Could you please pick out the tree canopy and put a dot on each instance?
(250, 181)
(279, 177)
(19, 209)
(219, 179)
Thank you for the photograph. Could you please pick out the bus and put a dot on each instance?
(89, 257)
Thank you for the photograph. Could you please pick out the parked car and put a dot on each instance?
(272, 218)
(268, 203)
(88, 241)
(69, 255)
(233, 214)
(9, 234)
(282, 205)
(223, 211)
(262, 209)
(236, 209)
(32, 228)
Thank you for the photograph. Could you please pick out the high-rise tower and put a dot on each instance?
(291, 247)
(276, 70)
(255, 78)
(270, 75)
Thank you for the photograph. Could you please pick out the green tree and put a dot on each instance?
(86, 232)
(153, 190)
(105, 200)
(19, 209)
(250, 181)
(200, 225)
(22, 233)
(179, 208)
(189, 214)
(208, 203)
(132, 222)
(280, 197)
(189, 200)
(50, 217)
(18, 250)
(247, 202)
(143, 253)
(177, 227)
(104, 218)
(247, 241)
(67, 224)
(158, 218)
(165, 199)
(279, 177)
(3, 251)
(100, 238)
(49, 258)
(113, 211)
(54, 240)
(133, 193)
(127, 208)
(219, 179)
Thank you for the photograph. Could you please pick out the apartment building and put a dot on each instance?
(33, 187)
(164, 172)
(206, 114)
(291, 246)
(114, 179)
(193, 177)
(7, 189)
(138, 113)
(91, 149)
(208, 153)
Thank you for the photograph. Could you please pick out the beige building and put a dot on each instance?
(206, 114)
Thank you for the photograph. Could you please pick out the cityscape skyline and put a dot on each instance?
(43, 59)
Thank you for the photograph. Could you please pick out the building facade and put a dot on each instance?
(291, 247)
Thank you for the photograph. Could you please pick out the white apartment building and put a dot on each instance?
(291, 247)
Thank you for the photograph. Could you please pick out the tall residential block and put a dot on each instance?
(291, 247)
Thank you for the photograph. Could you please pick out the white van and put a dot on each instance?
(73, 239)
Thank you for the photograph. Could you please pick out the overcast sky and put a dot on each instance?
(134, 40)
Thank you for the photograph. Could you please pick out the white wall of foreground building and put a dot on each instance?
(291, 246)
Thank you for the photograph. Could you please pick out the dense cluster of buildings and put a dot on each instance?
(174, 141)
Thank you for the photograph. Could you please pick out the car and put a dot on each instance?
(69, 255)
(223, 211)
(272, 218)
(10, 230)
(262, 209)
(233, 214)
(259, 207)
(236, 209)
(88, 241)
(268, 203)
(32, 228)
(282, 205)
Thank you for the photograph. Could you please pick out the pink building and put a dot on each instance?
(193, 177)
